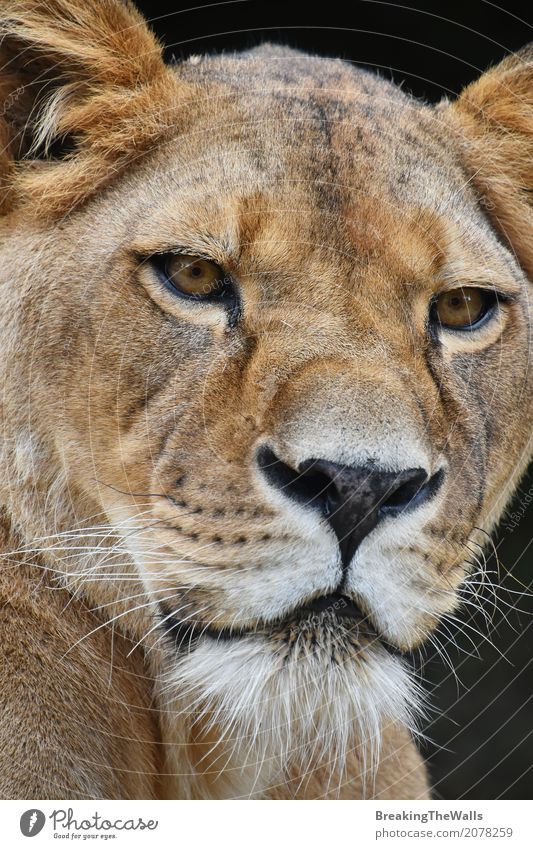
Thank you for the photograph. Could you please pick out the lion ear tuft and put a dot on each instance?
(494, 116)
(83, 90)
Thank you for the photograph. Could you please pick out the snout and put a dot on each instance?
(348, 451)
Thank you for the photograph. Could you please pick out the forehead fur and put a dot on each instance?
(284, 150)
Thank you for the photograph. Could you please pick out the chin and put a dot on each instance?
(288, 694)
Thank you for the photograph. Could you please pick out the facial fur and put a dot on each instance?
(134, 420)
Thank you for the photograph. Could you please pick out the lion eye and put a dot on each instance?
(463, 309)
(195, 277)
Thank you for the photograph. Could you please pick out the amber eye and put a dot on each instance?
(463, 309)
(195, 277)
(198, 279)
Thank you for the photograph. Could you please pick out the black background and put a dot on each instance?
(481, 727)
(434, 47)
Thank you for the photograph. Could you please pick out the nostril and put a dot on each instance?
(410, 489)
(307, 484)
(314, 486)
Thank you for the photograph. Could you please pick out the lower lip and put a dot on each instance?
(337, 606)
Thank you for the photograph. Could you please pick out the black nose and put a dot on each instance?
(353, 499)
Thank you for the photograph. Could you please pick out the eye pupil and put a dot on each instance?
(196, 271)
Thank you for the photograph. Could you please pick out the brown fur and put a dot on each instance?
(341, 207)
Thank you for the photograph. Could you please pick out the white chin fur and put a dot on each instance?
(279, 714)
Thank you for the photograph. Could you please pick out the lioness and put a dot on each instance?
(265, 327)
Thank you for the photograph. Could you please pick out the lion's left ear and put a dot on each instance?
(494, 117)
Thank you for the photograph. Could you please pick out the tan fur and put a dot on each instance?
(495, 115)
(77, 720)
(130, 418)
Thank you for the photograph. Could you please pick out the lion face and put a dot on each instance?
(315, 430)
(285, 355)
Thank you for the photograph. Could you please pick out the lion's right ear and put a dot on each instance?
(83, 90)
(494, 117)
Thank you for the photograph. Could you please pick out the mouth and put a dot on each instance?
(340, 605)
(333, 613)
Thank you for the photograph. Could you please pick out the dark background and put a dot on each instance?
(481, 725)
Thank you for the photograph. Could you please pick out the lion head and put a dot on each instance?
(265, 329)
